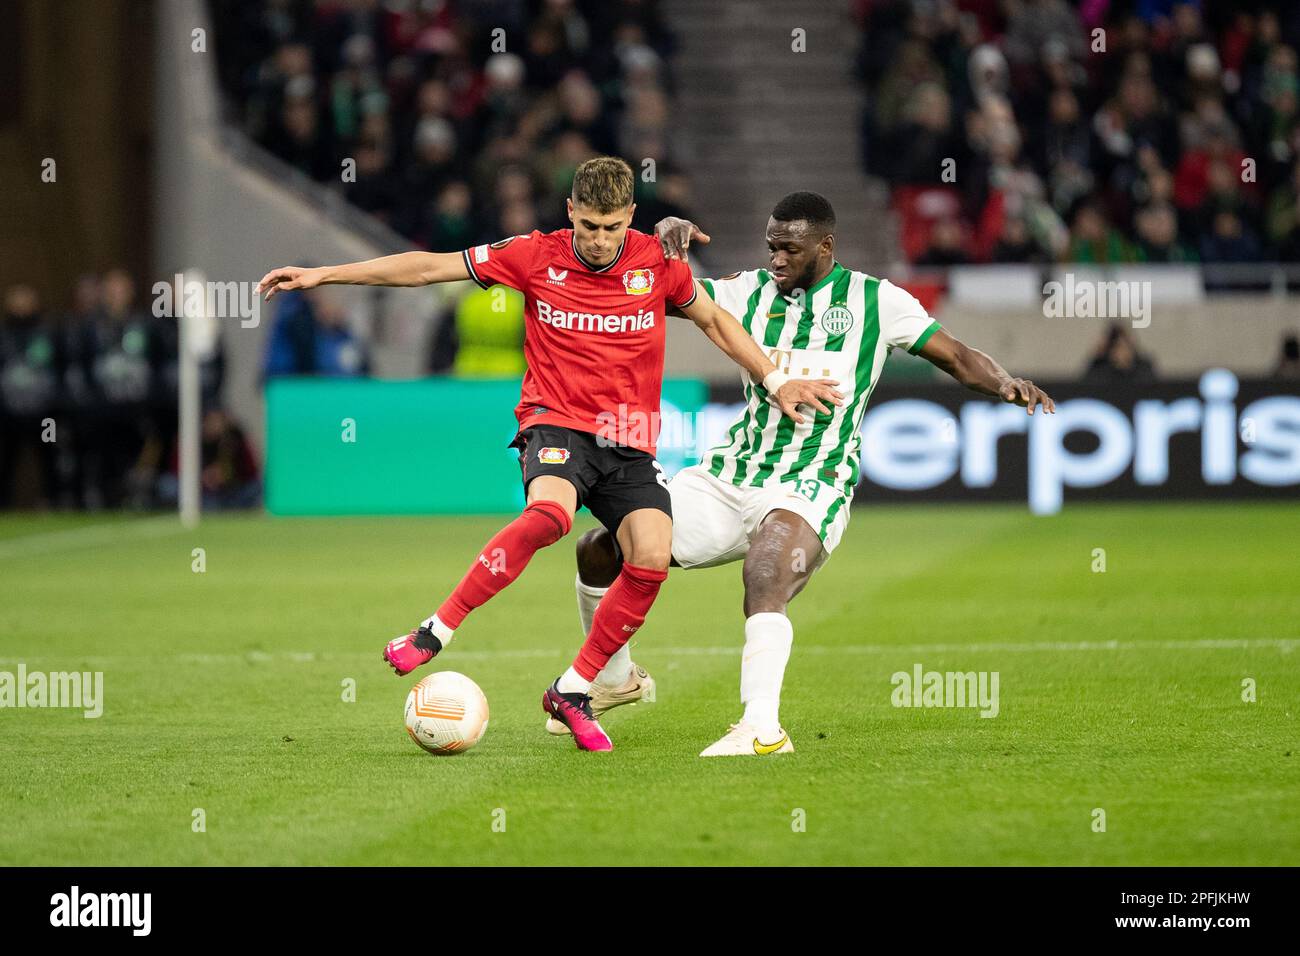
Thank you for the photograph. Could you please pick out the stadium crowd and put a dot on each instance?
(1104, 131)
(464, 120)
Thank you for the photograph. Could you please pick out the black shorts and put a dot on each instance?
(612, 480)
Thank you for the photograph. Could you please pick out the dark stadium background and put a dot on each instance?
(957, 140)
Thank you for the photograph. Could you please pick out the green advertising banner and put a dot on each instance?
(428, 446)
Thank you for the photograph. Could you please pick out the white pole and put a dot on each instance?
(190, 463)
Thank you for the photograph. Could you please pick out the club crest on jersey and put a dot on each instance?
(638, 281)
(837, 320)
(553, 456)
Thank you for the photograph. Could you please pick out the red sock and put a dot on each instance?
(504, 558)
(621, 611)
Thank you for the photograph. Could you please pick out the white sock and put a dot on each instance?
(571, 682)
(619, 667)
(441, 631)
(588, 599)
(768, 637)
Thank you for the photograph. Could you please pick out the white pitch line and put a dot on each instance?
(91, 536)
(1286, 645)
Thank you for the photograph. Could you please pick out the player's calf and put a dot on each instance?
(621, 613)
(782, 558)
(504, 558)
(501, 561)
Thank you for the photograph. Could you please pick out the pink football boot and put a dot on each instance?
(409, 651)
(574, 711)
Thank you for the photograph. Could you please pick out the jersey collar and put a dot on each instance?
(573, 244)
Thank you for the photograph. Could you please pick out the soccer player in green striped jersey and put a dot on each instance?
(776, 493)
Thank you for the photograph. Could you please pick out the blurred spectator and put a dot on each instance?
(1284, 217)
(481, 337)
(668, 194)
(229, 476)
(118, 357)
(375, 190)
(311, 337)
(1230, 240)
(435, 161)
(1094, 241)
(926, 136)
(452, 226)
(1157, 229)
(1014, 244)
(1033, 23)
(31, 369)
(1288, 365)
(1117, 359)
(1066, 150)
(947, 245)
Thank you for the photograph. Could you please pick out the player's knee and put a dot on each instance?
(655, 557)
(555, 521)
(598, 562)
(646, 539)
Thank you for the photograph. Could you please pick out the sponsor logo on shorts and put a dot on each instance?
(553, 456)
(638, 281)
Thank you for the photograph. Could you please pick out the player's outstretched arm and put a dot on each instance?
(981, 373)
(403, 269)
(729, 335)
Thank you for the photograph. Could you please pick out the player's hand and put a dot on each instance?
(288, 279)
(818, 393)
(676, 235)
(1021, 391)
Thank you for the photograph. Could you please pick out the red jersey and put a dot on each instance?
(594, 338)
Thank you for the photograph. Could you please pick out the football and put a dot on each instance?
(446, 713)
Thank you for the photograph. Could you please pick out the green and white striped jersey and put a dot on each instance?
(842, 328)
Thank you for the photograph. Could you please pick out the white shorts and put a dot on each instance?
(714, 520)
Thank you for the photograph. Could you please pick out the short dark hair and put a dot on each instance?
(604, 184)
(813, 208)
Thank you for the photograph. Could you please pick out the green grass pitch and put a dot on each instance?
(1120, 691)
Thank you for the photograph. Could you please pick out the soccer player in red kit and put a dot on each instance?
(596, 297)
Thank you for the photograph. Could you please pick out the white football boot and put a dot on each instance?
(638, 688)
(742, 740)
